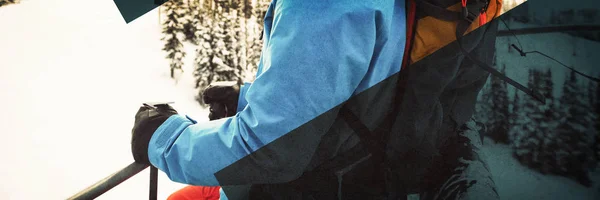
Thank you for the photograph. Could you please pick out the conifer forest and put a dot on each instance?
(225, 33)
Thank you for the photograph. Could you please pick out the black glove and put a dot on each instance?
(147, 120)
(222, 98)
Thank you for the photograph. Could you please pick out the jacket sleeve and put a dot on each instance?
(242, 97)
(317, 54)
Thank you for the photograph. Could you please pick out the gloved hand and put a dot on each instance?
(147, 120)
(222, 98)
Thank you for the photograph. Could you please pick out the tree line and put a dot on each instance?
(226, 34)
(560, 136)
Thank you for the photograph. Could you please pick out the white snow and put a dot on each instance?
(72, 75)
(516, 182)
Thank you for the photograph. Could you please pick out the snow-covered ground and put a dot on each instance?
(72, 75)
(516, 182)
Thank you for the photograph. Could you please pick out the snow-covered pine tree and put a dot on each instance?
(7, 2)
(172, 28)
(237, 34)
(228, 41)
(499, 126)
(217, 58)
(548, 92)
(574, 139)
(246, 9)
(483, 107)
(518, 118)
(241, 35)
(191, 21)
(255, 44)
(204, 52)
(548, 123)
(231, 51)
(594, 118)
(528, 143)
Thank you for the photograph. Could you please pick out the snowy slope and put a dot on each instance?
(72, 75)
(516, 182)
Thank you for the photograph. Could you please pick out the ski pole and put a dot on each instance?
(119, 177)
(115, 179)
(153, 183)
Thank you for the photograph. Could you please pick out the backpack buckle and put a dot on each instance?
(469, 16)
(472, 10)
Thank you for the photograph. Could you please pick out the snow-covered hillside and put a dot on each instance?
(72, 75)
(517, 182)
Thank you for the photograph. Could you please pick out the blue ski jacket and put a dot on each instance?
(316, 55)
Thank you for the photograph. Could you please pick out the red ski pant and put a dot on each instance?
(196, 193)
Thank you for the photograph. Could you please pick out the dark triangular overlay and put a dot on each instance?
(132, 9)
(269, 169)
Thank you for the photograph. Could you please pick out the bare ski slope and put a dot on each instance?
(72, 75)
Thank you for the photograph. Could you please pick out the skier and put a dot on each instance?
(327, 80)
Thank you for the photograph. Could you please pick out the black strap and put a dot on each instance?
(375, 141)
(369, 139)
(437, 12)
(468, 13)
(323, 178)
